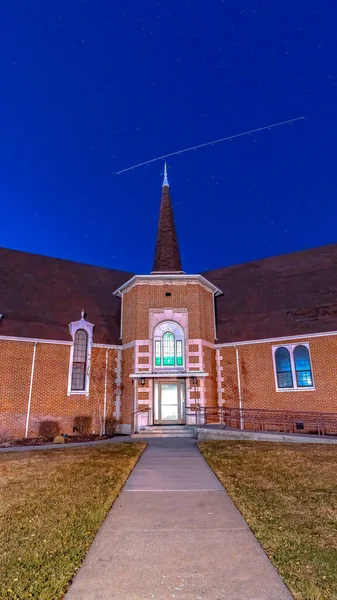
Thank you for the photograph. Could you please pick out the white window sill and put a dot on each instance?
(168, 369)
(298, 389)
(78, 393)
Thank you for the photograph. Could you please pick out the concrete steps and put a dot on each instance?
(167, 431)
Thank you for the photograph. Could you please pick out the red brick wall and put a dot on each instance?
(15, 370)
(49, 399)
(229, 384)
(210, 381)
(258, 381)
(51, 402)
(138, 301)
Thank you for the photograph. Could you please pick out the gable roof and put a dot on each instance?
(288, 295)
(40, 296)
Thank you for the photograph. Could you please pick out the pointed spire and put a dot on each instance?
(165, 182)
(167, 256)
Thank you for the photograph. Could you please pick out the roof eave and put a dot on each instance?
(123, 288)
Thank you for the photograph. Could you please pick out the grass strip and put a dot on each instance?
(287, 493)
(52, 504)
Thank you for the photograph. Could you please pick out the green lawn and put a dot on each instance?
(51, 505)
(288, 495)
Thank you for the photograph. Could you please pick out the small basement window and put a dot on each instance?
(168, 294)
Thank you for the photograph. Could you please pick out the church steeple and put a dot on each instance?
(167, 256)
(165, 182)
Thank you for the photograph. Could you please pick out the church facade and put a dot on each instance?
(88, 349)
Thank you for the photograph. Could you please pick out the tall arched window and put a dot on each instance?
(302, 366)
(79, 364)
(283, 368)
(168, 345)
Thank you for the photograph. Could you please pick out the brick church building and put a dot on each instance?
(86, 347)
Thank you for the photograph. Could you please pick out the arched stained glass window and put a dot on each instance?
(302, 366)
(283, 368)
(168, 346)
(78, 373)
(168, 349)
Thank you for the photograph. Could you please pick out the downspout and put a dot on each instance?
(239, 386)
(136, 405)
(121, 327)
(214, 316)
(118, 371)
(105, 389)
(134, 418)
(30, 390)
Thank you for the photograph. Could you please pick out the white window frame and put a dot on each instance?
(295, 388)
(179, 336)
(88, 328)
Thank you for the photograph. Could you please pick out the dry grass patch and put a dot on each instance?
(288, 495)
(52, 503)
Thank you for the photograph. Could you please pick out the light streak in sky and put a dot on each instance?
(229, 137)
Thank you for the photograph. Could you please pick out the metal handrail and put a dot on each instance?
(141, 411)
(257, 419)
(260, 419)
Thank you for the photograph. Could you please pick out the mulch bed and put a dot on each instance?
(39, 441)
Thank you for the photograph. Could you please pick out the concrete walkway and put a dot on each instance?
(174, 533)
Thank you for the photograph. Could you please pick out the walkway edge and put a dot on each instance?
(205, 434)
(114, 440)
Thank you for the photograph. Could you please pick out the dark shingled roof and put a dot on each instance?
(167, 255)
(289, 295)
(40, 296)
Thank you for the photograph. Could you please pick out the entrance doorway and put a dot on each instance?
(169, 402)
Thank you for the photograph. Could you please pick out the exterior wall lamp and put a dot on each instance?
(193, 380)
(142, 381)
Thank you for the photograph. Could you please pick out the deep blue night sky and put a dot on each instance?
(89, 87)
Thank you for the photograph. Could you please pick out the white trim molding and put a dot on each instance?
(197, 341)
(73, 328)
(178, 278)
(178, 336)
(164, 375)
(129, 345)
(109, 346)
(12, 338)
